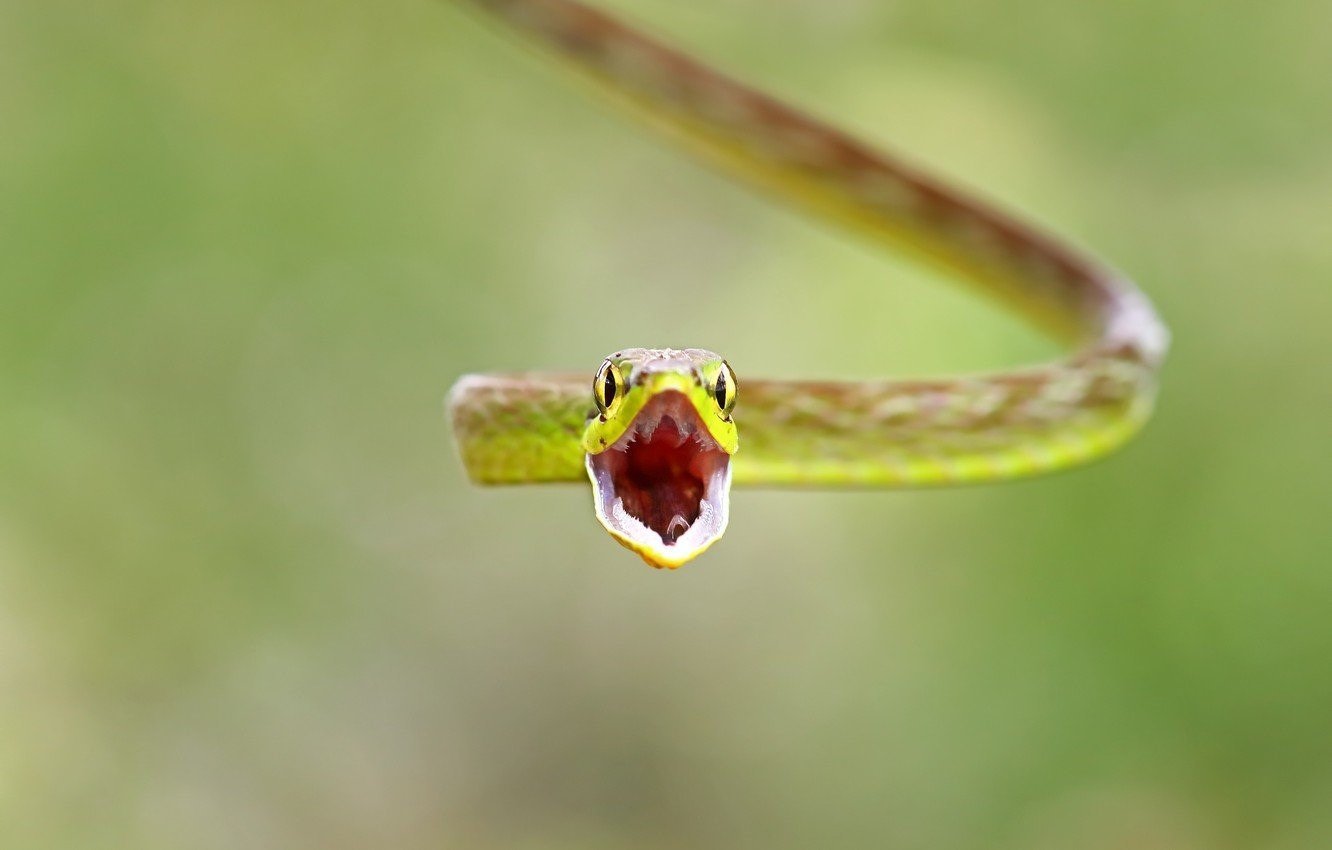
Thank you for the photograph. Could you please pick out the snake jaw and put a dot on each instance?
(663, 488)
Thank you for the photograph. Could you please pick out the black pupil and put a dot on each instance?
(608, 387)
(720, 392)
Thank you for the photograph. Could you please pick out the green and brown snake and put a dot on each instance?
(663, 433)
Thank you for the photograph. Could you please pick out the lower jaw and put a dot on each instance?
(708, 526)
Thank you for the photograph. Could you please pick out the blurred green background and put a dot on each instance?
(247, 598)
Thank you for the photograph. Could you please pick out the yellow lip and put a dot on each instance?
(597, 440)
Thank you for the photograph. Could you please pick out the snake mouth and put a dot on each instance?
(663, 488)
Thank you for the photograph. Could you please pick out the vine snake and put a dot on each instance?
(662, 433)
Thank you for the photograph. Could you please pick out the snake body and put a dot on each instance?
(531, 427)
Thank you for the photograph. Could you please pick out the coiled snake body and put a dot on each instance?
(663, 433)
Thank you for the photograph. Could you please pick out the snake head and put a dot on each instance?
(659, 451)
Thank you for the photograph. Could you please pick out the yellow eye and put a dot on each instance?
(608, 388)
(724, 389)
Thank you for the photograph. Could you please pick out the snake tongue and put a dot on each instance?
(677, 526)
(663, 488)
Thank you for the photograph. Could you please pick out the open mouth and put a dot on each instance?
(662, 488)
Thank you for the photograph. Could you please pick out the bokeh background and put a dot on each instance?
(247, 598)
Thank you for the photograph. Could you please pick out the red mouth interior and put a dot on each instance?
(661, 480)
(662, 467)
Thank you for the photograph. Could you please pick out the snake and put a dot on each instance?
(662, 434)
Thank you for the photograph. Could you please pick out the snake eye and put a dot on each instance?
(607, 388)
(724, 389)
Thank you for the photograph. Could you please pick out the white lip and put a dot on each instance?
(713, 506)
